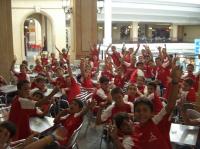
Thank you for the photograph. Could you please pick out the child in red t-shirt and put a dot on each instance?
(153, 97)
(119, 79)
(39, 83)
(140, 83)
(72, 118)
(118, 106)
(149, 131)
(38, 67)
(132, 93)
(137, 72)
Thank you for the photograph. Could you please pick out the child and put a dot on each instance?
(53, 59)
(140, 83)
(73, 117)
(132, 93)
(71, 88)
(60, 80)
(38, 67)
(119, 79)
(187, 92)
(44, 59)
(102, 94)
(149, 131)
(39, 83)
(119, 105)
(23, 108)
(115, 55)
(86, 80)
(7, 132)
(22, 75)
(138, 72)
(153, 97)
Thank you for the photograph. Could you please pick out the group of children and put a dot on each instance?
(135, 95)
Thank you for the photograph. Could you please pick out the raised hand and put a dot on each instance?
(176, 73)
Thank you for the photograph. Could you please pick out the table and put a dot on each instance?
(57, 95)
(6, 89)
(183, 134)
(41, 124)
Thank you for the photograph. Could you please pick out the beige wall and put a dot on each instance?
(54, 12)
(191, 32)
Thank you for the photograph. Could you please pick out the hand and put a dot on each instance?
(176, 73)
(91, 104)
(112, 131)
(159, 48)
(60, 133)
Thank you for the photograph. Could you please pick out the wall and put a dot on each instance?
(191, 32)
(52, 9)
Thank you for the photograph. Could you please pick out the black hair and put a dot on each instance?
(189, 81)
(139, 63)
(21, 83)
(40, 79)
(10, 127)
(79, 102)
(119, 119)
(21, 65)
(157, 58)
(36, 93)
(191, 65)
(153, 84)
(130, 86)
(144, 101)
(103, 79)
(116, 90)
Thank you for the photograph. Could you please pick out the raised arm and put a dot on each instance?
(69, 68)
(138, 47)
(58, 50)
(174, 88)
(108, 48)
(12, 67)
(82, 67)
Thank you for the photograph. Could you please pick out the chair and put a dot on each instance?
(73, 140)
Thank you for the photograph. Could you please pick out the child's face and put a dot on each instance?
(150, 89)
(41, 84)
(74, 107)
(158, 62)
(105, 86)
(25, 90)
(142, 113)
(190, 69)
(23, 69)
(127, 127)
(132, 90)
(60, 72)
(68, 81)
(118, 98)
(37, 62)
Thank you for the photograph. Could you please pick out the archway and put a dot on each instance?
(38, 36)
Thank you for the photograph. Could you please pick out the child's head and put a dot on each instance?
(40, 82)
(133, 59)
(113, 48)
(123, 123)
(63, 50)
(140, 81)
(8, 130)
(140, 65)
(53, 55)
(117, 95)
(143, 110)
(37, 95)
(23, 68)
(190, 68)
(187, 84)
(37, 62)
(68, 81)
(25, 63)
(130, 50)
(59, 71)
(76, 106)
(43, 55)
(23, 88)
(158, 61)
(151, 87)
(131, 90)
(104, 83)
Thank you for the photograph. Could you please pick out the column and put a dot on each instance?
(6, 42)
(174, 33)
(83, 27)
(134, 32)
(107, 22)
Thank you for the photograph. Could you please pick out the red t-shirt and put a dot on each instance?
(116, 58)
(22, 76)
(135, 74)
(154, 134)
(38, 68)
(60, 81)
(162, 75)
(195, 80)
(73, 91)
(191, 96)
(119, 81)
(71, 123)
(107, 74)
(87, 82)
(157, 104)
(44, 61)
(20, 117)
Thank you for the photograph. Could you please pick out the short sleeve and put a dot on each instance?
(101, 94)
(27, 103)
(107, 113)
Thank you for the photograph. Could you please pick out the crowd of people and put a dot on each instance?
(135, 95)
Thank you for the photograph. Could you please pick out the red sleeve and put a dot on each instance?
(191, 96)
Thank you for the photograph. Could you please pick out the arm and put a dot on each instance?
(46, 99)
(187, 120)
(90, 105)
(69, 69)
(61, 114)
(58, 50)
(82, 68)
(136, 51)
(98, 119)
(108, 49)
(174, 88)
(12, 67)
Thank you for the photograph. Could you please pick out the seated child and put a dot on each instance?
(132, 93)
(38, 67)
(39, 83)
